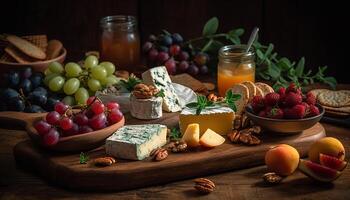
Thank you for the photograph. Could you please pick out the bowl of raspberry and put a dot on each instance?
(286, 111)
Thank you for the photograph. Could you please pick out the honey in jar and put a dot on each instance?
(120, 41)
(235, 66)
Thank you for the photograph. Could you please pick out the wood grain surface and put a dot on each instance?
(66, 171)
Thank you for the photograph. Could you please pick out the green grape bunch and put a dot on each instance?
(79, 81)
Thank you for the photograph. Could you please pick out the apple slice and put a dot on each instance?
(332, 162)
(211, 139)
(191, 135)
(318, 172)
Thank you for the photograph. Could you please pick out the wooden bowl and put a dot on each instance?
(284, 126)
(39, 66)
(75, 143)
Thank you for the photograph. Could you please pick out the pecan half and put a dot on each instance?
(159, 154)
(204, 186)
(272, 178)
(233, 136)
(142, 91)
(104, 161)
(212, 97)
(237, 123)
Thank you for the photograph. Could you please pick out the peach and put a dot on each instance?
(329, 146)
(282, 159)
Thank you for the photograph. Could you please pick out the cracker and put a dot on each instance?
(242, 102)
(259, 92)
(53, 50)
(336, 114)
(338, 98)
(26, 47)
(264, 88)
(18, 55)
(345, 109)
(251, 87)
(316, 92)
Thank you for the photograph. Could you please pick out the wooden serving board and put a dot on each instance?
(65, 170)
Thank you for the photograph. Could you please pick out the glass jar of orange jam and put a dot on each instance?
(235, 66)
(120, 41)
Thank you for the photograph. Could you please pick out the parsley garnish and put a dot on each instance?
(160, 93)
(83, 158)
(175, 134)
(203, 102)
(131, 82)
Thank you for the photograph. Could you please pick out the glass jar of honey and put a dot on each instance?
(120, 41)
(235, 66)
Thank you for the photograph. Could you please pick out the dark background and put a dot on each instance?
(314, 29)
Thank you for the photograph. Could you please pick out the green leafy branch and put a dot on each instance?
(83, 158)
(175, 134)
(130, 83)
(270, 66)
(203, 102)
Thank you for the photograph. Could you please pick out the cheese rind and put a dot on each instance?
(218, 119)
(159, 78)
(135, 142)
(146, 108)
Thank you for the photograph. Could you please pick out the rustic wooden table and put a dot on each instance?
(240, 184)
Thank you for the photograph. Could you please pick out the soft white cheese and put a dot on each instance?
(146, 108)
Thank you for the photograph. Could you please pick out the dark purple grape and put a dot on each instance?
(9, 93)
(51, 138)
(85, 129)
(163, 49)
(183, 66)
(193, 70)
(37, 97)
(26, 73)
(16, 104)
(72, 131)
(36, 79)
(183, 55)
(162, 57)
(26, 86)
(41, 90)
(147, 47)
(170, 65)
(201, 58)
(177, 38)
(12, 79)
(152, 55)
(203, 69)
(165, 40)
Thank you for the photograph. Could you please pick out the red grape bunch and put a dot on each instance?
(170, 50)
(64, 121)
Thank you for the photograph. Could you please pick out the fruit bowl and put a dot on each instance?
(75, 143)
(284, 126)
(38, 66)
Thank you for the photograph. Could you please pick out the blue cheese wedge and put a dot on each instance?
(136, 142)
(159, 78)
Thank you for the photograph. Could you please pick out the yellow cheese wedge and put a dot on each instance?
(191, 136)
(211, 139)
(218, 119)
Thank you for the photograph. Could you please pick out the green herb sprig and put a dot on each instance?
(83, 158)
(203, 102)
(160, 93)
(130, 83)
(270, 66)
(175, 134)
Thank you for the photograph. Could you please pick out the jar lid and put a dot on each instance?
(123, 22)
(236, 53)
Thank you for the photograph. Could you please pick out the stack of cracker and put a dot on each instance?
(248, 90)
(29, 49)
(336, 103)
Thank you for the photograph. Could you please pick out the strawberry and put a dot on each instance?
(313, 111)
(271, 99)
(310, 98)
(296, 112)
(257, 103)
(307, 108)
(292, 99)
(282, 91)
(275, 113)
(293, 88)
